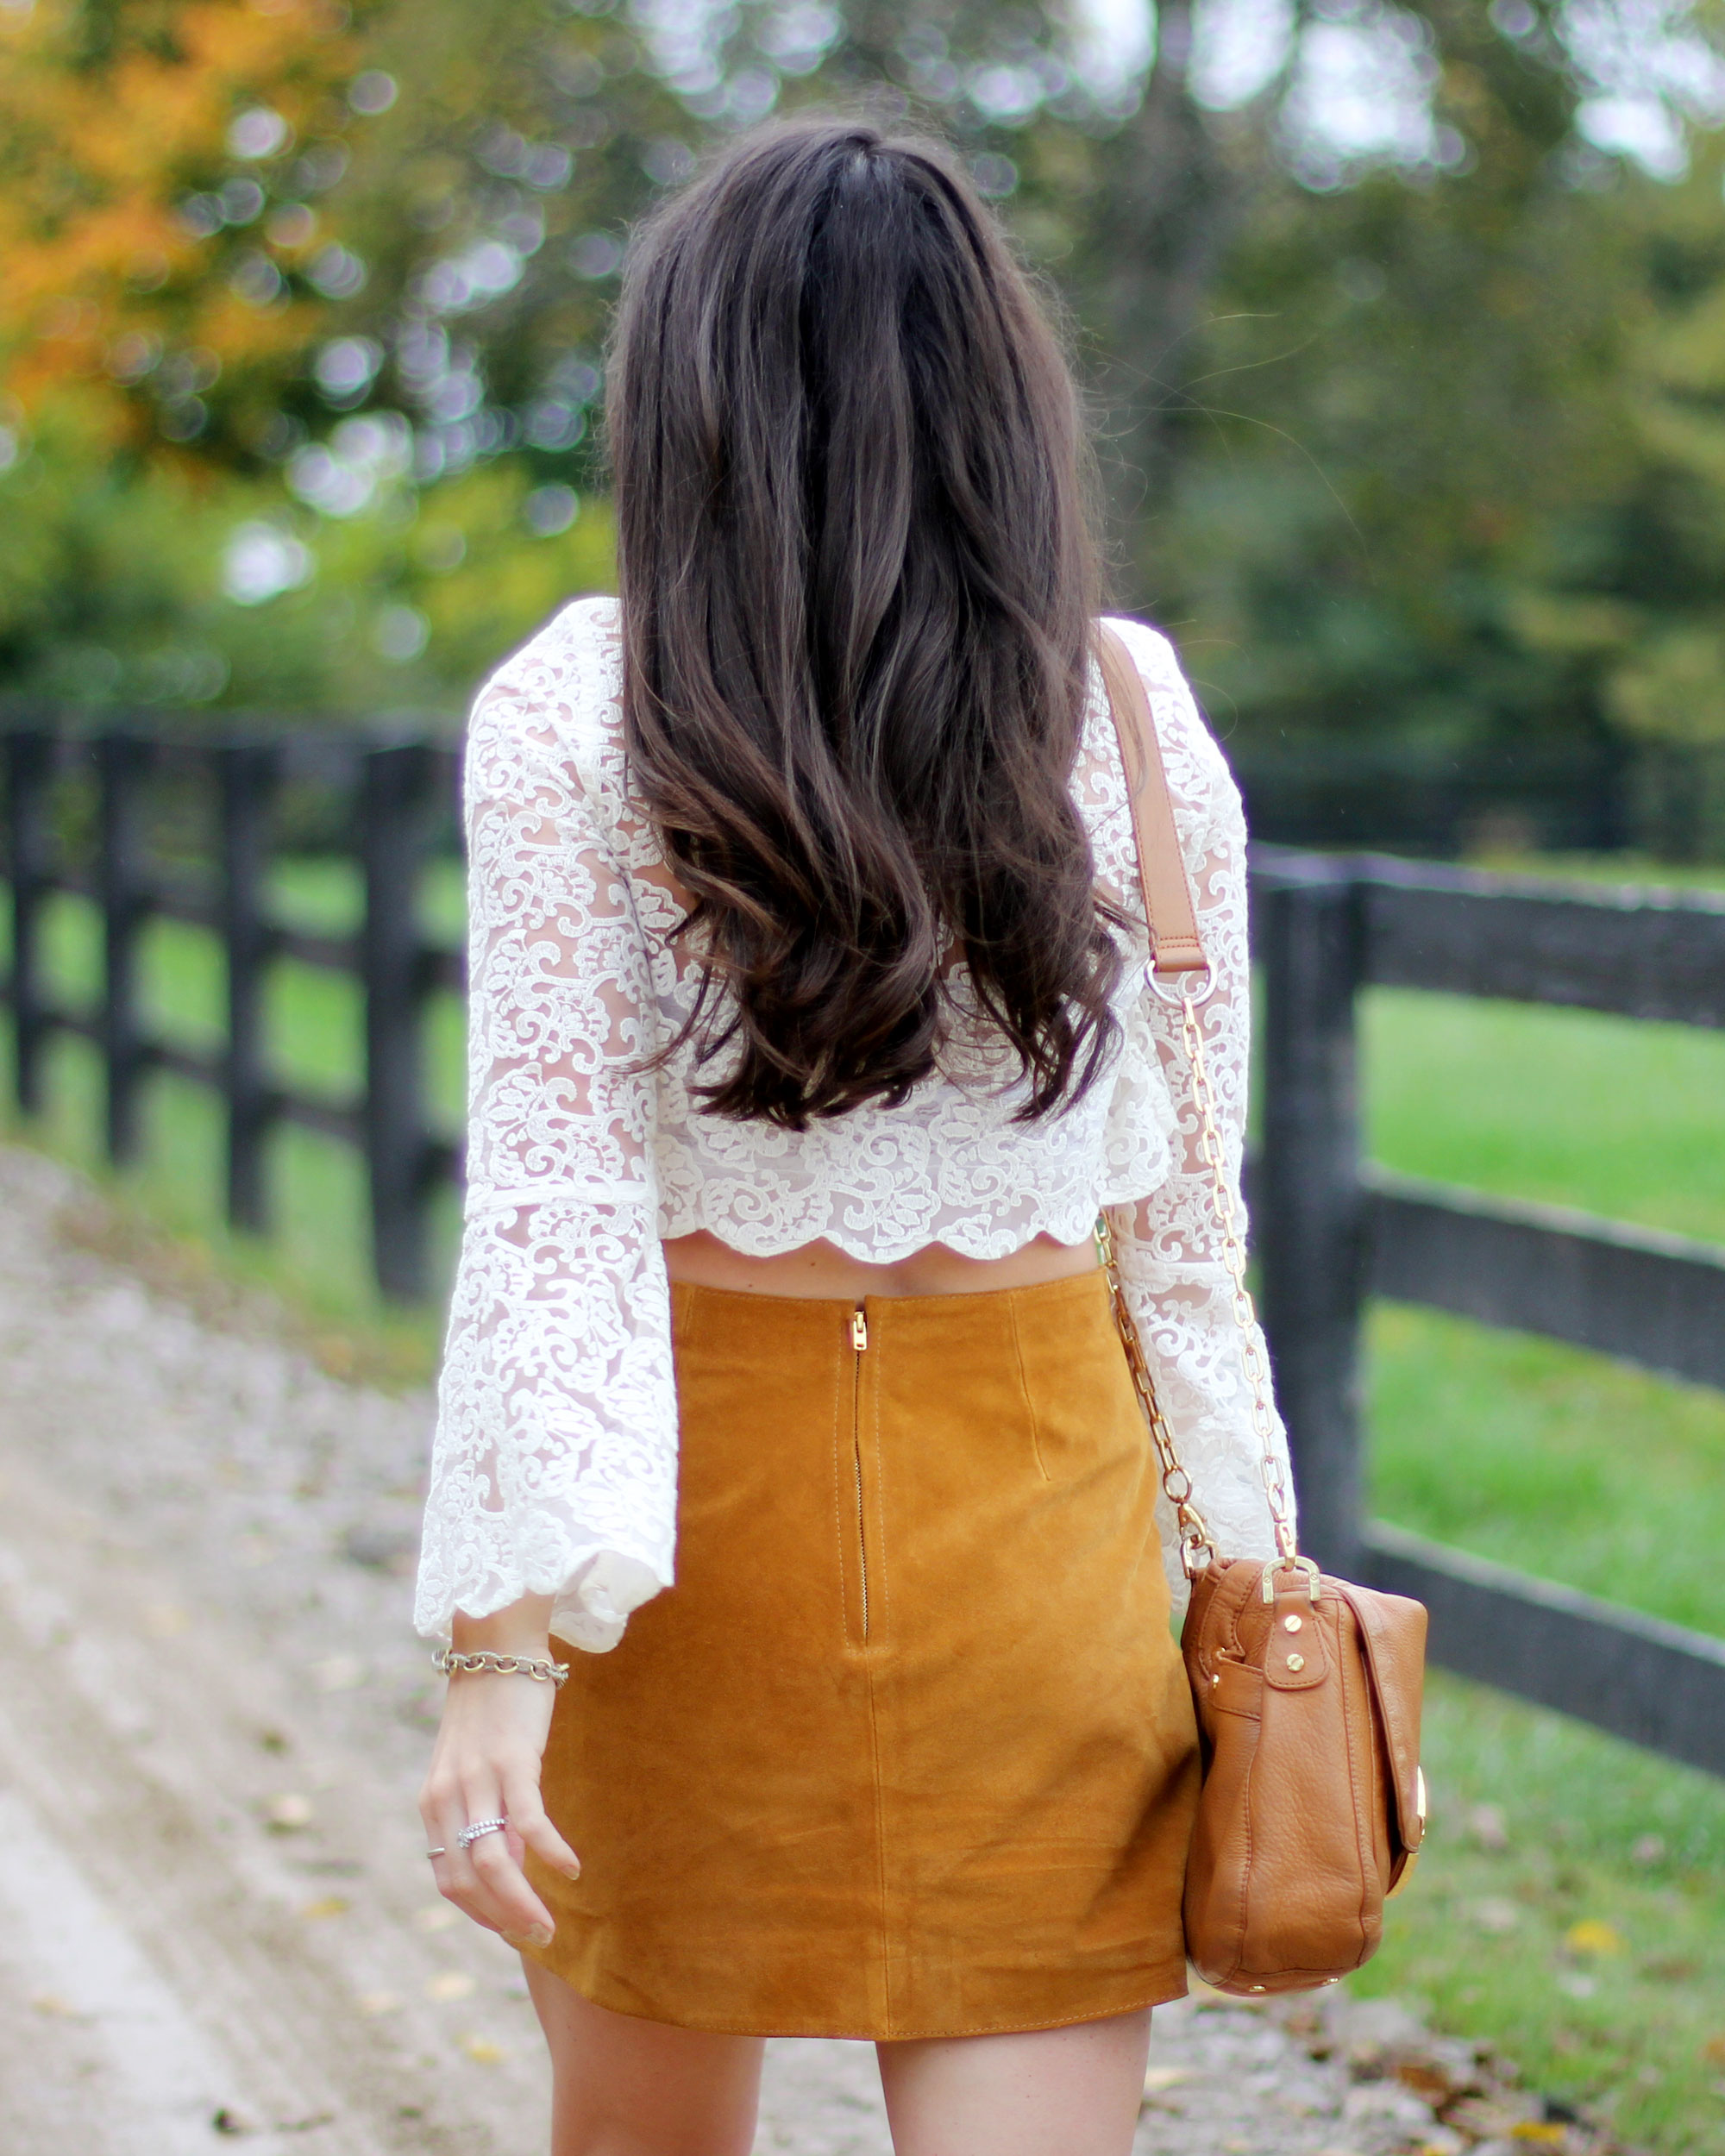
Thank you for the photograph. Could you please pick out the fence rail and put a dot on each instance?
(398, 793)
(1331, 1231)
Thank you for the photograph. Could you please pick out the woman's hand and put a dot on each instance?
(485, 1765)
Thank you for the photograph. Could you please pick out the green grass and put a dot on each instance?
(1538, 1454)
(1622, 869)
(1614, 1115)
(317, 1258)
(1540, 1826)
(1554, 1462)
(1584, 1470)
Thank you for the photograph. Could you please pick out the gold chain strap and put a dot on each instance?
(1197, 1550)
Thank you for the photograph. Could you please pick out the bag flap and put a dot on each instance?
(1393, 1630)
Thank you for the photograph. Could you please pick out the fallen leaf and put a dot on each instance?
(1590, 1936)
(483, 2052)
(327, 1905)
(454, 1983)
(1426, 2077)
(1543, 2134)
(1156, 2079)
(1713, 2051)
(1488, 2119)
(375, 2003)
(286, 1814)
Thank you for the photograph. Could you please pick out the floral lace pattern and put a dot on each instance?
(553, 1468)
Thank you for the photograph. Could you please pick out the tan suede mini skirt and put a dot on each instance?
(908, 1750)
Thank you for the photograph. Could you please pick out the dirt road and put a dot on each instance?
(215, 1921)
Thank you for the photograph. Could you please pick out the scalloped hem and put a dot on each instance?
(963, 1239)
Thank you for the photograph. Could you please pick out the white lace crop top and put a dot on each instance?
(554, 1463)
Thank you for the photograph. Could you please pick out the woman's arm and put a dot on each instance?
(485, 1764)
(552, 1503)
(1169, 1244)
(554, 1466)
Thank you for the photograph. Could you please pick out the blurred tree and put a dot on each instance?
(153, 163)
(267, 271)
(1413, 374)
(1399, 319)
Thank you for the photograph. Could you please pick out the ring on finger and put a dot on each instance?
(471, 1832)
(436, 1853)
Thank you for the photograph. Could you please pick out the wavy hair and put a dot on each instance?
(858, 582)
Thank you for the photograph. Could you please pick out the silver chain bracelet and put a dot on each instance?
(537, 1666)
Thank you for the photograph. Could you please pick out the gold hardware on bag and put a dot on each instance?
(1412, 1854)
(1197, 1551)
(1314, 1577)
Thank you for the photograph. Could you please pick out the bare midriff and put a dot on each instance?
(821, 1268)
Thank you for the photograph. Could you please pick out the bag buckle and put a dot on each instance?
(1290, 1565)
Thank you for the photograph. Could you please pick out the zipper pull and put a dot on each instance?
(859, 1329)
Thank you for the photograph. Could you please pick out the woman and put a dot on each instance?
(810, 1031)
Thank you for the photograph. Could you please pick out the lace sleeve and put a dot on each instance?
(1169, 1246)
(554, 1467)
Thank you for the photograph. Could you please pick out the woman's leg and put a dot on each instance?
(1050, 2092)
(622, 2087)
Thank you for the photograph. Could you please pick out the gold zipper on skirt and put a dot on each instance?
(859, 1342)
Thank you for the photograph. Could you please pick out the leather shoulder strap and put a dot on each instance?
(1162, 874)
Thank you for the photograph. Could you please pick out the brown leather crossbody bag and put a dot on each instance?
(1307, 1689)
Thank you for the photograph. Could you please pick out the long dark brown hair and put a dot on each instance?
(857, 583)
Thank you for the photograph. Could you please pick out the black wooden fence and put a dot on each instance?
(1330, 1229)
(398, 795)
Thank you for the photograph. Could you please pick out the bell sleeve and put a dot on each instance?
(1169, 1243)
(554, 1463)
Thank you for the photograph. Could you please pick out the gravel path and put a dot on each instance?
(214, 1915)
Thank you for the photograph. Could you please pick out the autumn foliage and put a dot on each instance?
(159, 161)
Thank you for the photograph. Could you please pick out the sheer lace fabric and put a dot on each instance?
(554, 1467)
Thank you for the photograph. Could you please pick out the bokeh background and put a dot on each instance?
(1405, 325)
(1403, 328)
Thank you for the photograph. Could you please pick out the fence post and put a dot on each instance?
(246, 777)
(1309, 1214)
(29, 767)
(123, 895)
(395, 804)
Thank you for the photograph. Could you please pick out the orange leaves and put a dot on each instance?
(110, 124)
